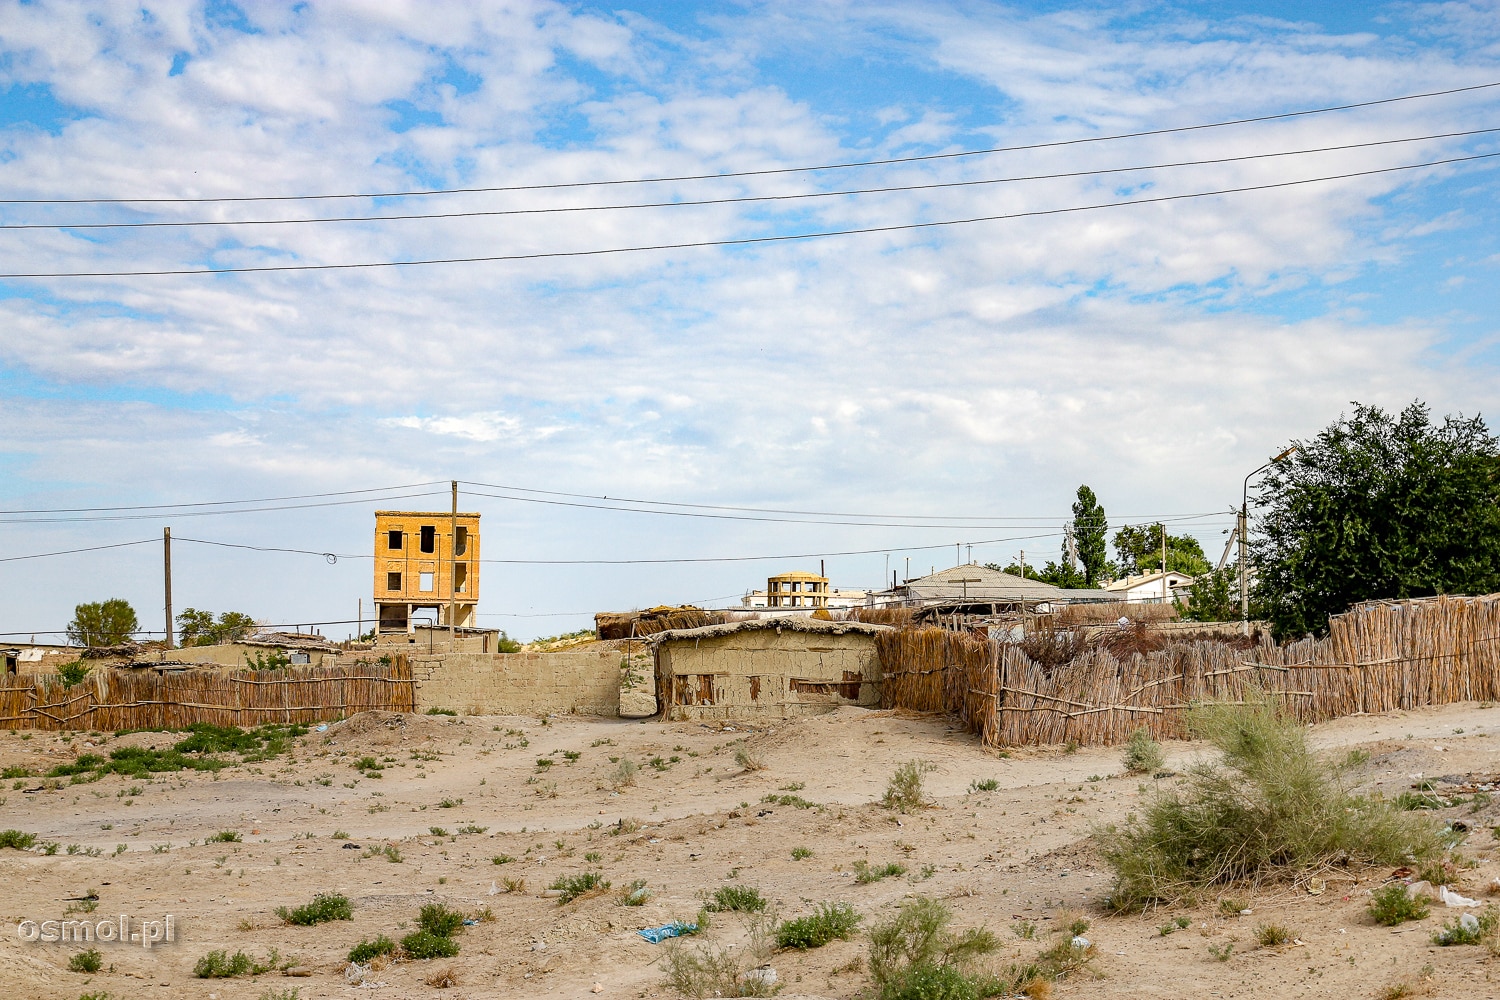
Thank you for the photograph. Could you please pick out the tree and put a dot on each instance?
(1213, 597)
(1139, 549)
(198, 628)
(102, 623)
(1058, 576)
(1090, 528)
(1378, 506)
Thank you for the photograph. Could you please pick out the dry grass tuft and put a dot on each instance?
(444, 979)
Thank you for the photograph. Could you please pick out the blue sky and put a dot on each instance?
(1156, 352)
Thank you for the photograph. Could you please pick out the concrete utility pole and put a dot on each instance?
(166, 555)
(453, 574)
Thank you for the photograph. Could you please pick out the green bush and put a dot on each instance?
(985, 785)
(438, 920)
(442, 711)
(223, 837)
(570, 887)
(86, 961)
(909, 952)
(1143, 755)
(423, 944)
(324, 907)
(864, 874)
(1459, 930)
(72, 673)
(16, 840)
(366, 950)
(1392, 904)
(828, 921)
(219, 965)
(735, 899)
(1266, 809)
(903, 792)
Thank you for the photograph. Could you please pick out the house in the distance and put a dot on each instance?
(1151, 588)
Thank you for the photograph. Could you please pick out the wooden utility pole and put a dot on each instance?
(166, 555)
(453, 574)
(1164, 562)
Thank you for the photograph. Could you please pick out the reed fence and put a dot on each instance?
(111, 700)
(1377, 657)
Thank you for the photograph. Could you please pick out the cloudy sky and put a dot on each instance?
(962, 378)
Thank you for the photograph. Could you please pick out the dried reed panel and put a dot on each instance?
(145, 699)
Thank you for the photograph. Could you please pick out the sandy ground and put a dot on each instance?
(1017, 854)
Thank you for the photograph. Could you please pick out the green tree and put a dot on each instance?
(1378, 506)
(102, 623)
(1090, 529)
(1139, 549)
(1213, 597)
(1058, 576)
(198, 628)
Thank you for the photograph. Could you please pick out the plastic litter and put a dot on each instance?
(356, 973)
(1451, 898)
(1469, 922)
(322, 727)
(656, 935)
(471, 922)
(765, 976)
(1080, 942)
(494, 889)
(1420, 890)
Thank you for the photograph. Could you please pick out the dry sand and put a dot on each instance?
(1016, 854)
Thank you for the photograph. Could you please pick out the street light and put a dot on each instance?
(1244, 528)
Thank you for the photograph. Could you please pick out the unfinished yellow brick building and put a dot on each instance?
(423, 564)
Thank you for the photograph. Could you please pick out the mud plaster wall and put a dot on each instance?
(765, 675)
(519, 683)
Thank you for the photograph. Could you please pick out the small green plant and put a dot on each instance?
(437, 831)
(442, 711)
(274, 660)
(472, 828)
(735, 898)
(1143, 755)
(450, 803)
(423, 944)
(984, 785)
(1221, 953)
(323, 908)
(748, 759)
(635, 894)
(223, 837)
(72, 673)
(16, 840)
(914, 955)
(827, 922)
(1273, 935)
(864, 874)
(366, 950)
(795, 801)
(1024, 929)
(89, 961)
(1392, 905)
(903, 792)
(570, 887)
(801, 853)
(218, 964)
(501, 859)
(1466, 928)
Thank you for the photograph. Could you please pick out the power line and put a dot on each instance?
(221, 503)
(778, 520)
(770, 171)
(747, 240)
(807, 513)
(69, 552)
(211, 513)
(744, 199)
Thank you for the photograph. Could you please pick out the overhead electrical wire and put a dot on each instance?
(156, 516)
(769, 171)
(741, 199)
(747, 240)
(69, 552)
(223, 503)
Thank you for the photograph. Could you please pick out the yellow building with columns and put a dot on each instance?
(424, 562)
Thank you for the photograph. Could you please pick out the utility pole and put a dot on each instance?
(453, 574)
(1164, 562)
(166, 556)
(1244, 531)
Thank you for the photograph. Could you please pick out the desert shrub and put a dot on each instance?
(16, 840)
(1392, 904)
(435, 918)
(1143, 754)
(801, 853)
(635, 894)
(222, 837)
(219, 965)
(366, 950)
(709, 970)
(903, 792)
(735, 899)
(985, 785)
(570, 887)
(828, 921)
(1273, 935)
(1267, 808)
(749, 759)
(324, 907)
(72, 673)
(864, 874)
(442, 711)
(423, 945)
(1466, 928)
(624, 774)
(907, 951)
(86, 961)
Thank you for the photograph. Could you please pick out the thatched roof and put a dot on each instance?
(798, 624)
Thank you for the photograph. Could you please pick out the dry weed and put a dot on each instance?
(444, 979)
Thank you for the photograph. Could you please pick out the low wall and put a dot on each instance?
(766, 674)
(519, 683)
